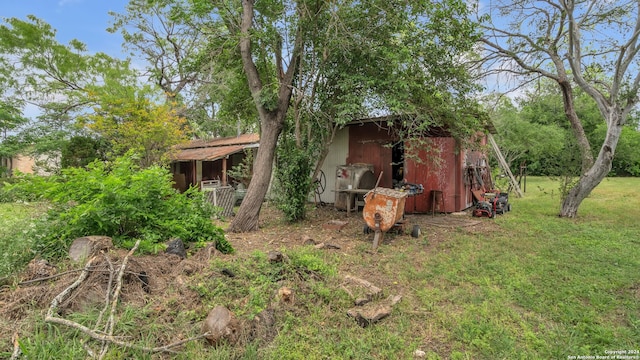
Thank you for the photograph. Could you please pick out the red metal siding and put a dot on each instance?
(370, 144)
(437, 169)
(441, 167)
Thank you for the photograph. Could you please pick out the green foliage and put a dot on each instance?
(529, 286)
(534, 130)
(293, 176)
(242, 172)
(125, 202)
(23, 188)
(15, 220)
(80, 151)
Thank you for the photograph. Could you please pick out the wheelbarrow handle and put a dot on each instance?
(373, 193)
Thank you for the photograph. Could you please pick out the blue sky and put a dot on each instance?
(85, 20)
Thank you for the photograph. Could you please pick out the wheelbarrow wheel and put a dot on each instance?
(415, 232)
(366, 230)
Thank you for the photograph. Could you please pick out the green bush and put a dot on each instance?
(124, 202)
(293, 182)
(23, 187)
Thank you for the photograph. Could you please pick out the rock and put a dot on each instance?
(372, 292)
(419, 353)
(369, 314)
(85, 247)
(221, 325)
(307, 240)
(285, 295)
(335, 225)
(176, 247)
(275, 256)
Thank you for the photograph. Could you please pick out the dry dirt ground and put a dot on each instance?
(150, 275)
(320, 227)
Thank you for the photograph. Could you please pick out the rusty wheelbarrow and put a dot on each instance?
(383, 210)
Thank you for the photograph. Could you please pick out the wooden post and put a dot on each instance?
(224, 170)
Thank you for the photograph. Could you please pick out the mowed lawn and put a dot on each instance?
(538, 286)
(528, 285)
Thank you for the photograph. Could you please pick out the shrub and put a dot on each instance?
(124, 202)
(293, 182)
(23, 187)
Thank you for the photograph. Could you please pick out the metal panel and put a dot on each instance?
(371, 144)
(436, 170)
(337, 156)
(223, 197)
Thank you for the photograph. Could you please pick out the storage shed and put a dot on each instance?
(446, 172)
(206, 160)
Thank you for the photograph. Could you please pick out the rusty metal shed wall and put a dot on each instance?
(442, 169)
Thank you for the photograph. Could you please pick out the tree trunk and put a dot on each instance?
(592, 177)
(576, 124)
(248, 215)
(271, 120)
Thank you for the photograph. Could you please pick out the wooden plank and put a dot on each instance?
(504, 165)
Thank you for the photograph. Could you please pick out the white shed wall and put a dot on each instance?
(338, 152)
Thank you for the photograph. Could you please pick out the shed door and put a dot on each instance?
(416, 171)
(434, 166)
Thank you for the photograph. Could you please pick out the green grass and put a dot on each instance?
(530, 285)
(14, 219)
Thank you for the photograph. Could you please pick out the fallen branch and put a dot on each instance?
(17, 351)
(27, 282)
(66, 292)
(116, 339)
(106, 337)
(110, 325)
(107, 296)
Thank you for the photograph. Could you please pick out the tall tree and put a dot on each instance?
(54, 78)
(342, 59)
(72, 88)
(138, 124)
(170, 47)
(205, 85)
(589, 43)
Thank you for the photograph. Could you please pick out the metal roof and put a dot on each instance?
(207, 154)
(211, 150)
(236, 140)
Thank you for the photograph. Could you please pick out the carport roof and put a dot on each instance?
(207, 154)
(210, 150)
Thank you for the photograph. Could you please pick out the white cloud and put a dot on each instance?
(67, 2)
